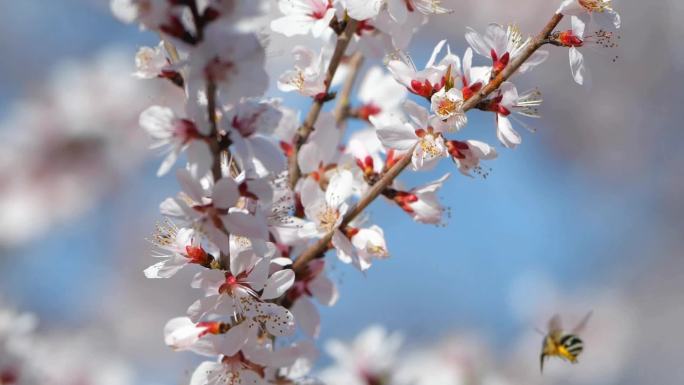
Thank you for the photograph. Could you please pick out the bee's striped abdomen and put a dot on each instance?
(572, 344)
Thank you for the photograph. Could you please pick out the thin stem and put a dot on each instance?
(307, 127)
(319, 248)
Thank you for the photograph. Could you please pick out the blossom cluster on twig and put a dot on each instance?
(264, 196)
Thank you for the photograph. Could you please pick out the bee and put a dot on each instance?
(556, 343)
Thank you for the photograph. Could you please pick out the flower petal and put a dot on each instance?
(225, 193)
(505, 132)
(278, 283)
(307, 316)
(577, 65)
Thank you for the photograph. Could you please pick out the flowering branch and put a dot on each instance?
(308, 125)
(513, 66)
(319, 248)
(240, 229)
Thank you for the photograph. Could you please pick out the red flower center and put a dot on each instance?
(185, 130)
(319, 9)
(368, 110)
(569, 39)
(196, 254)
(404, 200)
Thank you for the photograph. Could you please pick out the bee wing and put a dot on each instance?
(555, 325)
(578, 329)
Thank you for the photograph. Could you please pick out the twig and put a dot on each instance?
(319, 248)
(214, 140)
(341, 111)
(215, 147)
(305, 129)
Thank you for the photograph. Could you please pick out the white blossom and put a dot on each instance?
(426, 141)
(308, 75)
(303, 16)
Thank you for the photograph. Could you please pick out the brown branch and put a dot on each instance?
(341, 111)
(307, 127)
(214, 140)
(215, 147)
(320, 247)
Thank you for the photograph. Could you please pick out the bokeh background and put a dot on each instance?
(587, 214)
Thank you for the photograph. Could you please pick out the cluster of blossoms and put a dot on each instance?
(265, 196)
(28, 357)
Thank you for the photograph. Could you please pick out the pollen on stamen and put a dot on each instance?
(598, 6)
(328, 218)
(482, 172)
(515, 35)
(242, 242)
(528, 103)
(605, 39)
(377, 251)
(186, 198)
(446, 107)
(164, 234)
(446, 212)
(428, 145)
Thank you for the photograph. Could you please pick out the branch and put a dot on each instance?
(320, 247)
(214, 141)
(215, 147)
(307, 127)
(341, 111)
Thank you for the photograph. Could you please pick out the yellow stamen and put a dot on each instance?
(428, 145)
(446, 107)
(597, 5)
(328, 218)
